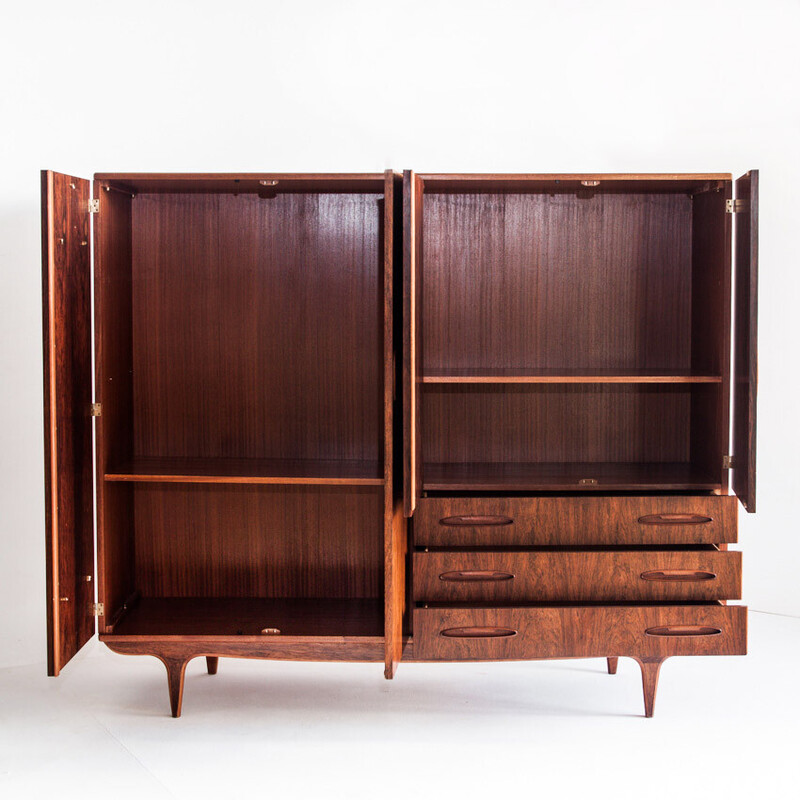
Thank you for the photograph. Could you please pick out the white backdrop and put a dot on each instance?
(435, 86)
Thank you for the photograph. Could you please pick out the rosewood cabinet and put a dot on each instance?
(384, 418)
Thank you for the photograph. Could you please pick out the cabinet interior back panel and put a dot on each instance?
(557, 281)
(258, 541)
(554, 423)
(257, 326)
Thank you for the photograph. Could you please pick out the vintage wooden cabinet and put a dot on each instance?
(515, 447)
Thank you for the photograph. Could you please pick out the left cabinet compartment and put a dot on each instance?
(242, 457)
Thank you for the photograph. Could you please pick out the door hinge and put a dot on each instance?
(727, 462)
(97, 410)
(735, 206)
(94, 205)
(98, 610)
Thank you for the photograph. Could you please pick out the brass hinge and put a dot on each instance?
(94, 205)
(98, 610)
(97, 410)
(727, 462)
(735, 206)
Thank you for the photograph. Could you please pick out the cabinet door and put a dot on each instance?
(745, 373)
(412, 339)
(67, 416)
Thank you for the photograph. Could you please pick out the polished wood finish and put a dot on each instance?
(745, 352)
(258, 541)
(289, 292)
(249, 470)
(470, 375)
(612, 665)
(651, 667)
(590, 575)
(557, 476)
(212, 664)
(577, 520)
(66, 318)
(412, 340)
(394, 524)
(249, 616)
(577, 631)
(114, 391)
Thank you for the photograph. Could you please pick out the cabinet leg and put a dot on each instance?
(212, 662)
(650, 669)
(176, 669)
(612, 665)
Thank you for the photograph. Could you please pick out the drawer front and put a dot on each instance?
(491, 634)
(502, 521)
(577, 576)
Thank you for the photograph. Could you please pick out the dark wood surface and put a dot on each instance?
(66, 318)
(566, 477)
(394, 525)
(746, 353)
(553, 423)
(576, 520)
(578, 631)
(258, 541)
(486, 375)
(649, 183)
(556, 282)
(257, 326)
(249, 470)
(590, 575)
(235, 183)
(711, 329)
(114, 391)
(412, 340)
(249, 616)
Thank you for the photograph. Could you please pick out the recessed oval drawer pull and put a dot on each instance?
(678, 575)
(475, 576)
(478, 632)
(683, 630)
(674, 519)
(466, 520)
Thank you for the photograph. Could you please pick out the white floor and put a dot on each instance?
(727, 726)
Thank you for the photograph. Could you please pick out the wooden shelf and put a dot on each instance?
(246, 616)
(462, 376)
(564, 477)
(249, 470)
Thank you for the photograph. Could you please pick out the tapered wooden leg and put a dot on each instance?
(612, 665)
(650, 669)
(212, 662)
(176, 669)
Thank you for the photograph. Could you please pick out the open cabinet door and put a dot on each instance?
(745, 360)
(67, 416)
(412, 339)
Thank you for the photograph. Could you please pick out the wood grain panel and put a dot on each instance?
(746, 351)
(257, 326)
(394, 525)
(250, 616)
(258, 541)
(541, 281)
(114, 391)
(578, 632)
(583, 576)
(413, 312)
(711, 327)
(577, 520)
(552, 423)
(66, 322)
